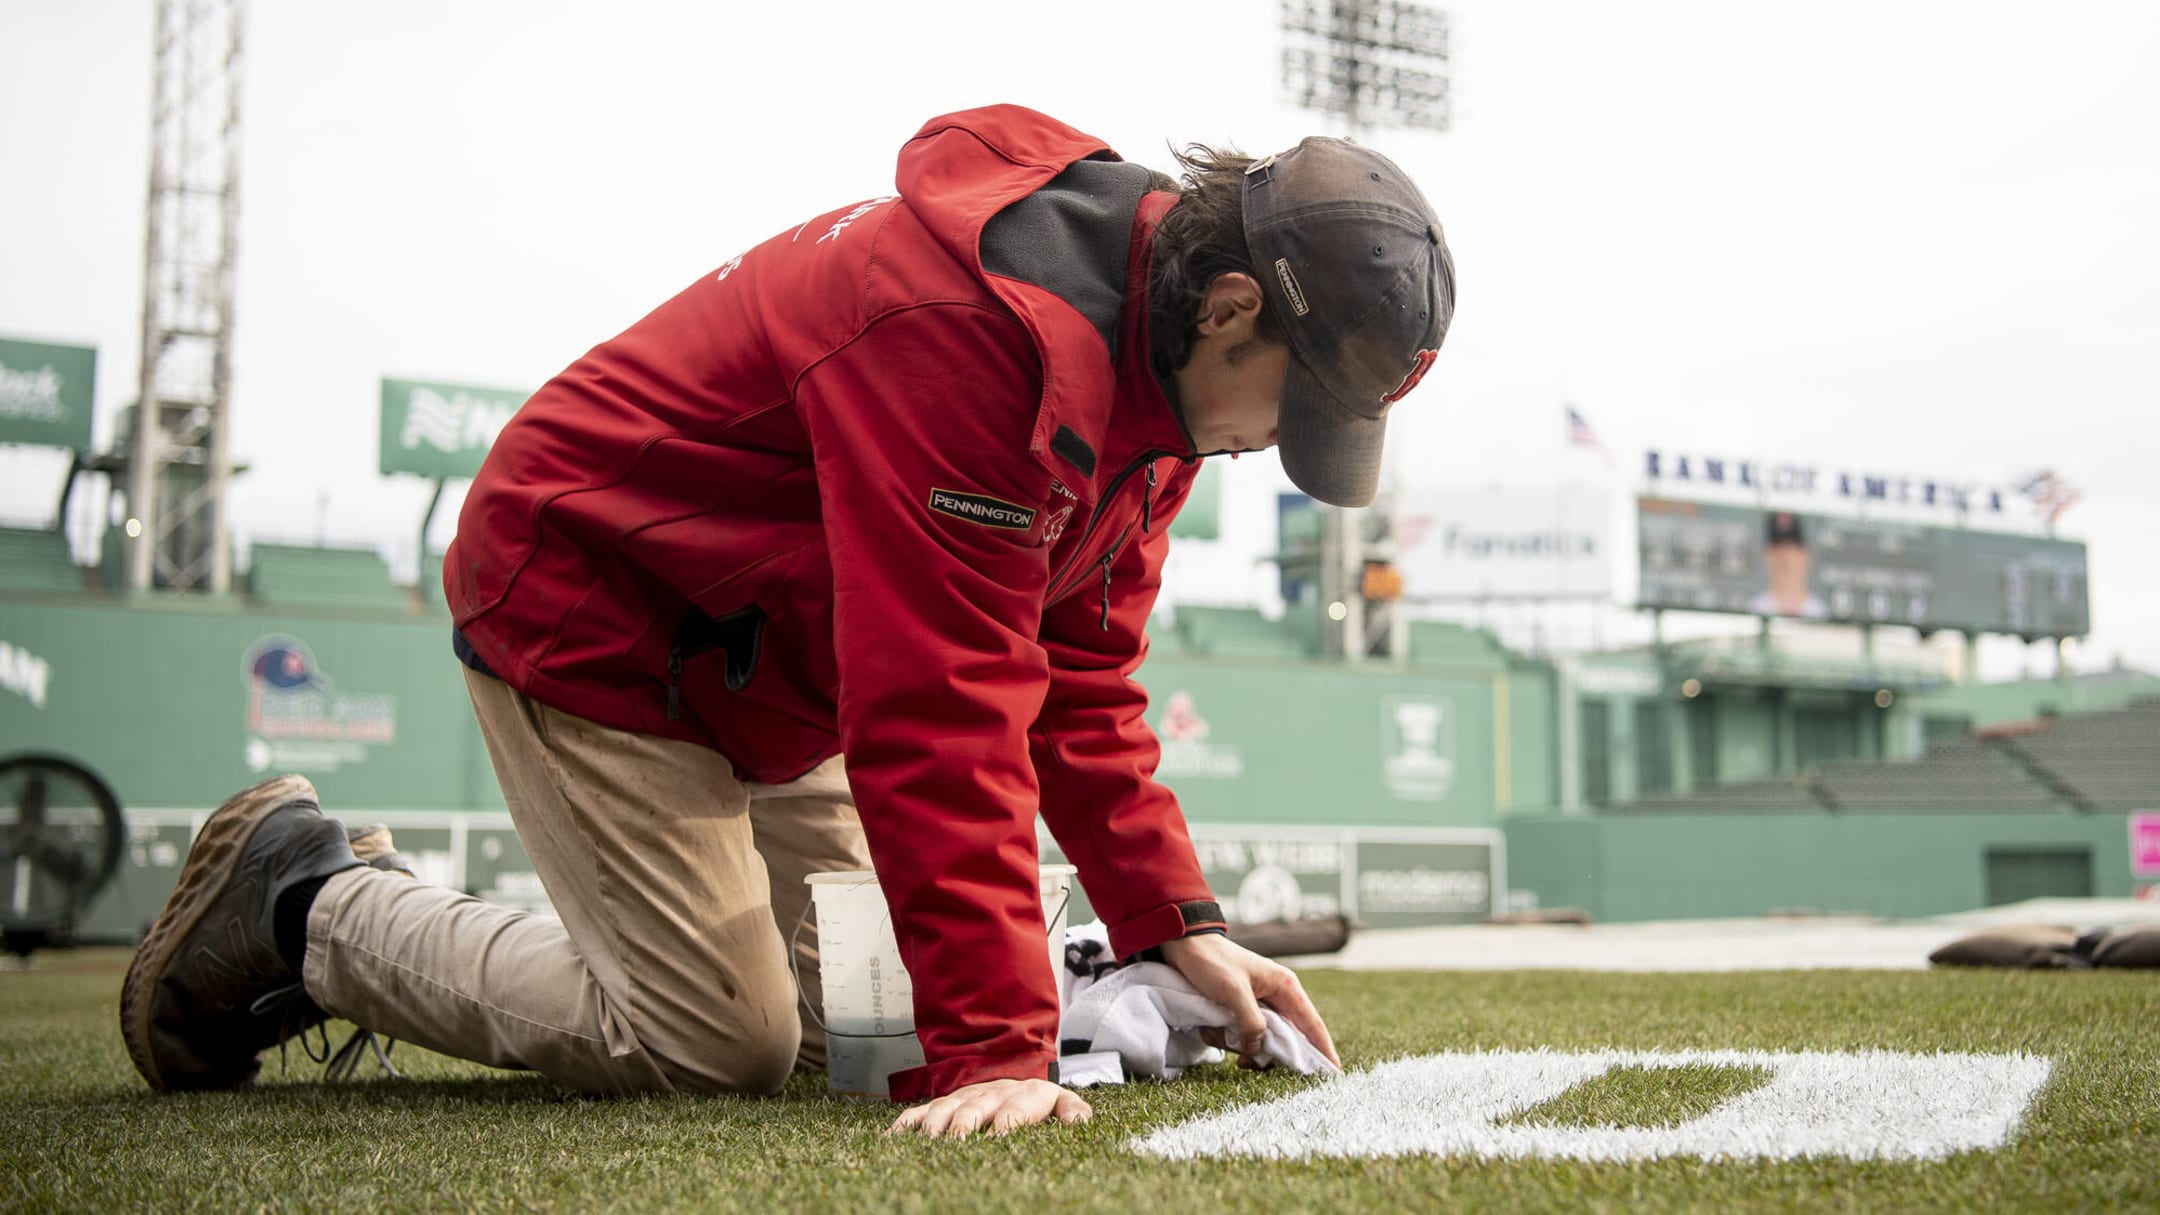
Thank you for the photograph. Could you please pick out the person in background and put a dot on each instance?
(1786, 559)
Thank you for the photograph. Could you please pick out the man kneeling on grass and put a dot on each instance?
(890, 489)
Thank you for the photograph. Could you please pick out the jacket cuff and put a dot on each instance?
(937, 1079)
(1165, 923)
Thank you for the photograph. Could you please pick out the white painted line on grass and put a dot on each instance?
(1872, 1105)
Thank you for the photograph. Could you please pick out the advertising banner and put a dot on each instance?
(441, 430)
(46, 393)
(1403, 884)
(1379, 878)
(1514, 543)
(2145, 844)
(1717, 557)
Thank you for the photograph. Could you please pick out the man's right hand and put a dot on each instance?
(992, 1107)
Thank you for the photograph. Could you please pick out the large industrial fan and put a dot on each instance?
(61, 836)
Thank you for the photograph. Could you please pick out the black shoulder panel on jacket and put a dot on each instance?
(1073, 237)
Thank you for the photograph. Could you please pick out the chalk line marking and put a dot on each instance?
(1871, 1105)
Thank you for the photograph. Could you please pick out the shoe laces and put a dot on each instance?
(296, 1014)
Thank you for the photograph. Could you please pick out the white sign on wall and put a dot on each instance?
(1504, 542)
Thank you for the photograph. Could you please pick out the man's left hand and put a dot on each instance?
(994, 1107)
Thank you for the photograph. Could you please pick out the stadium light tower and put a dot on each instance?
(179, 465)
(1371, 63)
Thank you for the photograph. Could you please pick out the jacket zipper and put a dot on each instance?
(1147, 524)
(1102, 507)
(1108, 559)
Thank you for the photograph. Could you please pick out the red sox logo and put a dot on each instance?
(1418, 367)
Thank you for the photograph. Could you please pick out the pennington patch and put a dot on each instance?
(982, 508)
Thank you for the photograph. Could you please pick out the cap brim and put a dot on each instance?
(1329, 450)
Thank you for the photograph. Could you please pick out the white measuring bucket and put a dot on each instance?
(869, 999)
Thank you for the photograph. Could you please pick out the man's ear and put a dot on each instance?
(1232, 300)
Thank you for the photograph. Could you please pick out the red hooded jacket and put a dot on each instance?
(893, 484)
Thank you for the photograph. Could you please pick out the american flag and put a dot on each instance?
(1579, 433)
(2050, 494)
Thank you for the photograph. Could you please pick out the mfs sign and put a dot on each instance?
(441, 430)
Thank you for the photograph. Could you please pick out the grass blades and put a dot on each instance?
(1644, 1096)
(80, 1132)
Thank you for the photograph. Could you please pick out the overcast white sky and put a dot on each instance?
(1913, 238)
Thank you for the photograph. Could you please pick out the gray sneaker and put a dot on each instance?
(371, 842)
(208, 990)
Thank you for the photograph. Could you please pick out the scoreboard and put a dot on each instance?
(1719, 557)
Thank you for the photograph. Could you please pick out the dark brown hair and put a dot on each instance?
(1199, 240)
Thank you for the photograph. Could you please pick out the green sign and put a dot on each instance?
(45, 394)
(1379, 878)
(1404, 884)
(441, 430)
(1713, 557)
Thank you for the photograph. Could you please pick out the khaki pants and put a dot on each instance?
(677, 886)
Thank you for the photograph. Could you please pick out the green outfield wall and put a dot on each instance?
(179, 701)
(1382, 789)
(1315, 787)
(162, 698)
(1702, 866)
(1317, 743)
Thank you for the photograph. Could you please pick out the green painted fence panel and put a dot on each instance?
(1656, 867)
(179, 706)
(1312, 743)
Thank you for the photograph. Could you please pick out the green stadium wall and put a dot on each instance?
(153, 693)
(1628, 867)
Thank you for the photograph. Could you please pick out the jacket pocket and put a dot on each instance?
(740, 634)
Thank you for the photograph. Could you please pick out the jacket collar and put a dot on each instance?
(963, 168)
(1146, 416)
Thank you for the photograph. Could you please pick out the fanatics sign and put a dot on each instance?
(1516, 543)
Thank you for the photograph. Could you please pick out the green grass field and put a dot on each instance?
(80, 1131)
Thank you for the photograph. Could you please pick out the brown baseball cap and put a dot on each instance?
(1352, 260)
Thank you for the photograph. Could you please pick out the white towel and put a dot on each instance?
(1151, 1017)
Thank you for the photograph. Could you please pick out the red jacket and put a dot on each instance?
(853, 492)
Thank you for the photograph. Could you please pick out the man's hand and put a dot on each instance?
(992, 1107)
(1241, 981)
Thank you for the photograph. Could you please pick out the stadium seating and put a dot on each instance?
(1237, 631)
(37, 559)
(301, 576)
(430, 586)
(2093, 762)
(1778, 795)
(1960, 774)
(2099, 761)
